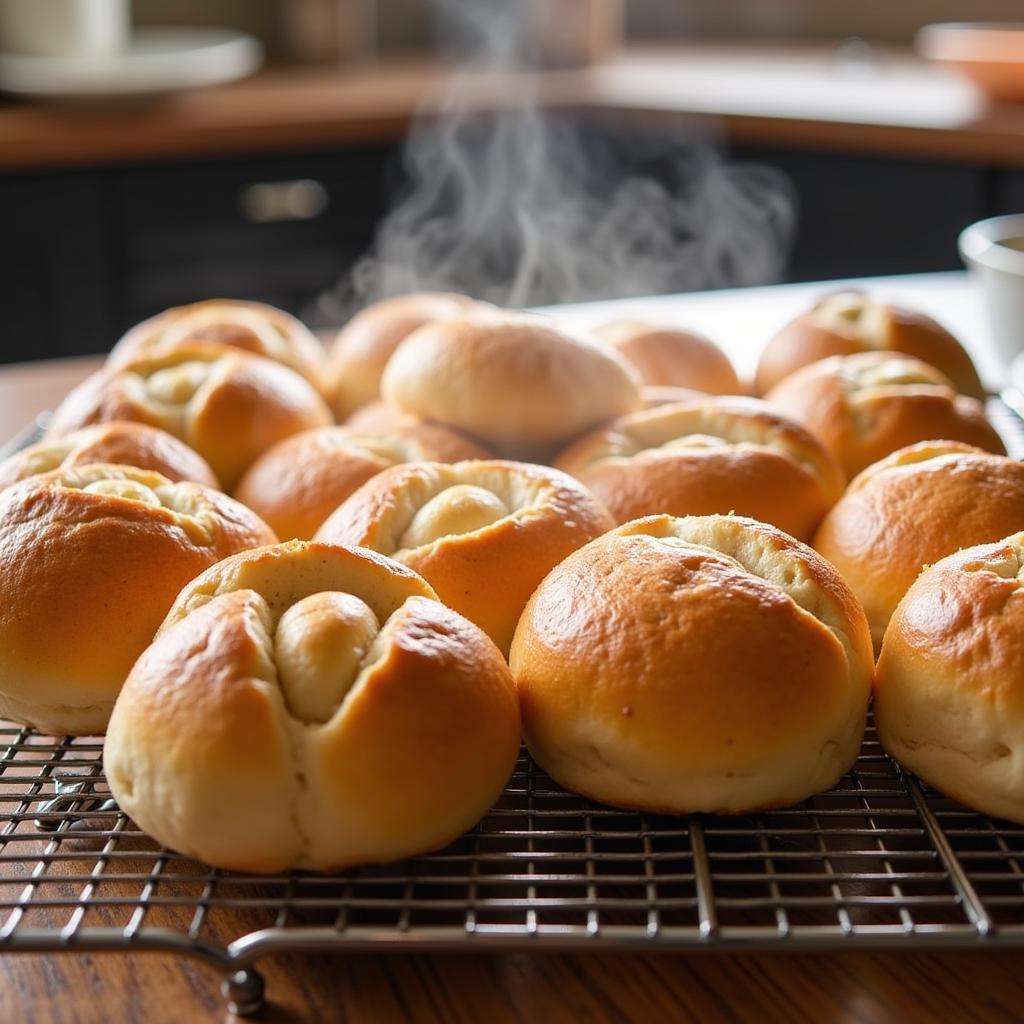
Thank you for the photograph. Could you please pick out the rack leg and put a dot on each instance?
(243, 991)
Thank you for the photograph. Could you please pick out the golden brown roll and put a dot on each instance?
(673, 357)
(699, 664)
(711, 455)
(949, 692)
(913, 508)
(513, 380)
(358, 355)
(378, 416)
(313, 707)
(865, 406)
(845, 323)
(227, 405)
(298, 483)
(653, 395)
(119, 442)
(483, 534)
(253, 327)
(91, 559)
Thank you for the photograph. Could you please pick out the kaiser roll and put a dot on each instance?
(700, 664)
(911, 509)
(250, 326)
(119, 442)
(227, 405)
(949, 692)
(299, 482)
(309, 706)
(705, 456)
(865, 406)
(483, 534)
(844, 323)
(91, 559)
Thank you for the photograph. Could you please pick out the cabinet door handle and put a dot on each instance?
(264, 202)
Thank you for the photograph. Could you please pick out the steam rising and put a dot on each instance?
(527, 207)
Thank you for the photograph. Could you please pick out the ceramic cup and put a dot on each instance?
(993, 249)
(64, 28)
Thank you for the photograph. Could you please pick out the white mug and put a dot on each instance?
(64, 28)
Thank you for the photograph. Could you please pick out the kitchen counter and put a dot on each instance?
(976, 985)
(892, 104)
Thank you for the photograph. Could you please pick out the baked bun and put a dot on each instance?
(122, 443)
(865, 406)
(949, 694)
(358, 355)
(91, 559)
(513, 380)
(711, 455)
(229, 406)
(653, 395)
(312, 707)
(253, 327)
(670, 356)
(299, 482)
(483, 534)
(378, 417)
(699, 664)
(914, 507)
(844, 323)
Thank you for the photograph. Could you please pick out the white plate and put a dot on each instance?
(156, 60)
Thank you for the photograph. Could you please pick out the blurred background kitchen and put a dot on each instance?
(586, 148)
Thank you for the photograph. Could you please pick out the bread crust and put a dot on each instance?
(949, 692)
(745, 457)
(912, 508)
(415, 753)
(846, 323)
(698, 664)
(92, 576)
(487, 574)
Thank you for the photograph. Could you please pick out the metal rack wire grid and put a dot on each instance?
(878, 861)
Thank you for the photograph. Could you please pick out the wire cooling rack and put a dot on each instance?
(879, 861)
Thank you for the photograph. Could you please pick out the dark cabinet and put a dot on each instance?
(54, 266)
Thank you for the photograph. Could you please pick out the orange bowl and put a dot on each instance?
(991, 54)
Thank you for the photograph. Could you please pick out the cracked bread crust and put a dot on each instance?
(949, 692)
(697, 664)
(209, 753)
(708, 456)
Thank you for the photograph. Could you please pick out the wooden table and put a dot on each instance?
(976, 986)
(799, 96)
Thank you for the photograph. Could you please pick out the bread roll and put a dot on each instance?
(253, 327)
(865, 406)
(122, 443)
(699, 664)
(91, 559)
(225, 404)
(379, 417)
(513, 380)
(949, 694)
(913, 508)
(360, 352)
(709, 455)
(673, 357)
(312, 707)
(845, 323)
(483, 534)
(299, 482)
